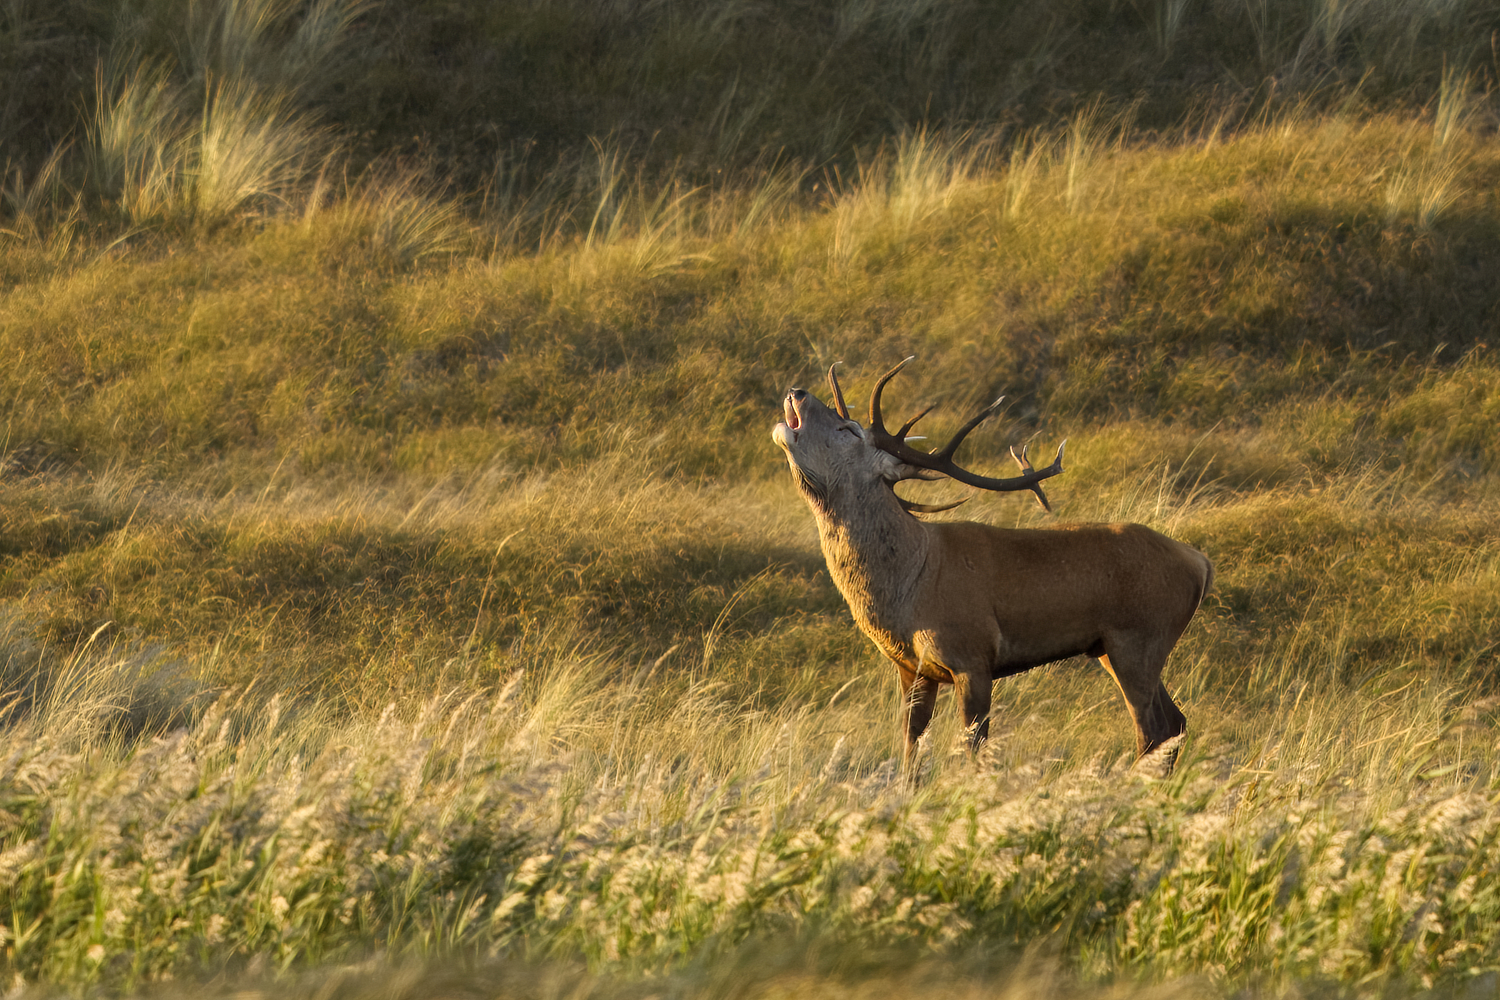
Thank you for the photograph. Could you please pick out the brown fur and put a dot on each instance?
(963, 603)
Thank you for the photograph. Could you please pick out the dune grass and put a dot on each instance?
(375, 330)
(708, 85)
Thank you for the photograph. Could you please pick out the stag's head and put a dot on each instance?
(830, 452)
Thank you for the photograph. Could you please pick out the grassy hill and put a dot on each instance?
(402, 595)
(713, 86)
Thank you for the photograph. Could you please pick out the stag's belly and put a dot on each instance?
(1009, 666)
(982, 648)
(941, 652)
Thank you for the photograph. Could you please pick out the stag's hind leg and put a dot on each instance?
(1137, 672)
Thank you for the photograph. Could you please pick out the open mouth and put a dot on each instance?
(785, 433)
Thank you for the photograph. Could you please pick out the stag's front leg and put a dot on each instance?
(918, 696)
(973, 694)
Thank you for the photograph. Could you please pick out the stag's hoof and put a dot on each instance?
(1160, 759)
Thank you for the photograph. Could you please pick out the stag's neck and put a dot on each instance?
(876, 553)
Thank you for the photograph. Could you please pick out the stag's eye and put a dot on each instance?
(848, 429)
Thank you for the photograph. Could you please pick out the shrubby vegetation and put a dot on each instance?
(401, 592)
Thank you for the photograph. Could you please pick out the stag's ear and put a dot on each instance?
(897, 471)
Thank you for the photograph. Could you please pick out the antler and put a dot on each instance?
(942, 459)
(838, 394)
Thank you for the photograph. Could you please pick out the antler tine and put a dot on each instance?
(906, 427)
(975, 421)
(1027, 470)
(876, 424)
(838, 394)
(913, 507)
(1021, 459)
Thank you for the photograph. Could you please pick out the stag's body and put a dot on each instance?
(964, 603)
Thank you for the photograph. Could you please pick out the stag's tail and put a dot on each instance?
(1208, 579)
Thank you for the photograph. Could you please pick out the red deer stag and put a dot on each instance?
(963, 603)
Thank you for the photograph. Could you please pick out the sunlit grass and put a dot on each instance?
(1196, 280)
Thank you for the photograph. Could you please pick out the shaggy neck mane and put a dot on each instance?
(875, 551)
